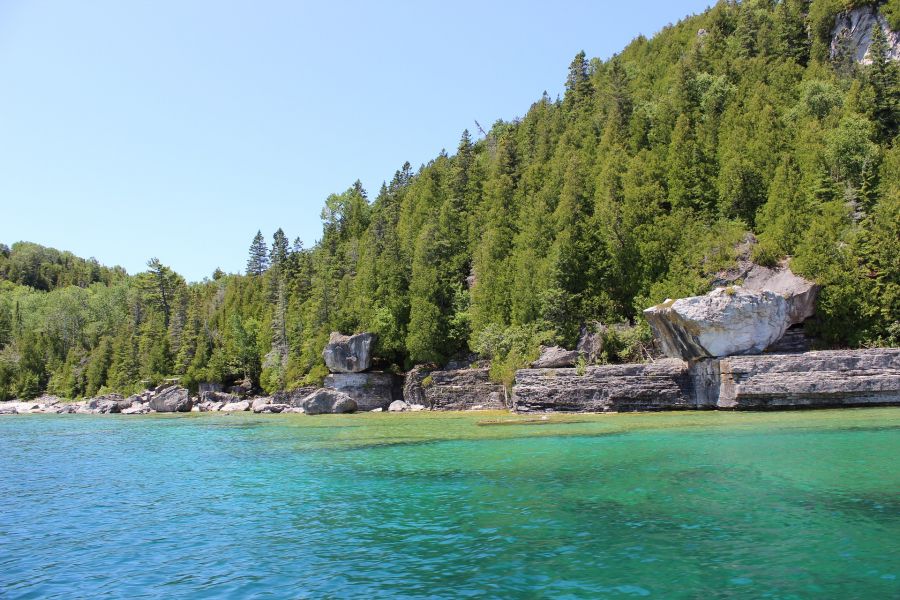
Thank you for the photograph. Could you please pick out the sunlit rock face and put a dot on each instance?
(724, 322)
(349, 353)
(852, 33)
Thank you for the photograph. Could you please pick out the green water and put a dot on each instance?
(672, 505)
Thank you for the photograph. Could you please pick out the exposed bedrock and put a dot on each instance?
(769, 381)
(554, 357)
(456, 389)
(662, 385)
(370, 390)
(349, 353)
(811, 379)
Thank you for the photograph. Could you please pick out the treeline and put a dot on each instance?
(635, 186)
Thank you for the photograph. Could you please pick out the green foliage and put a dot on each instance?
(511, 348)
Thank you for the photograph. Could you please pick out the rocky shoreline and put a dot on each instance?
(822, 379)
(725, 350)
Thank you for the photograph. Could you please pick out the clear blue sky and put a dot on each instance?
(177, 128)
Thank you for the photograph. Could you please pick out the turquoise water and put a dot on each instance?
(691, 505)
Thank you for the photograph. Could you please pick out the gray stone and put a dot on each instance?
(239, 406)
(171, 399)
(325, 401)
(259, 404)
(662, 385)
(137, 408)
(293, 397)
(799, 293)
(274, 408)
(349, 354)
(590, 341)
(370, 390)
(377, 410)
(812, 379)
(458, 389)
(554, 357)
(398, 406)
(417, 407)
(209, 406)
(220, 397)
(853, 30)
(724, 322)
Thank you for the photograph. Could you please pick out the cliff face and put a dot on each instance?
(768, 381)
(853, 31)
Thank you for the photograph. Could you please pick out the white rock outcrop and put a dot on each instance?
(724, 322)
(853, 31)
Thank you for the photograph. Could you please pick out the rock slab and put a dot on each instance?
(457, 389)
(555, 357)
(661, 385)
(811, 379)
(370, 390)
(349, 353)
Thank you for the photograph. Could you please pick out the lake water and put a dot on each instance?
(677, 505)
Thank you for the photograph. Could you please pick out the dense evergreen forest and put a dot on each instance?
(637, 185)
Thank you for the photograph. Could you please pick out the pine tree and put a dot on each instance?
(258, 262)
(280, 249)
(884, 79)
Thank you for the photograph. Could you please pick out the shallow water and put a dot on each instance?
(672, 505)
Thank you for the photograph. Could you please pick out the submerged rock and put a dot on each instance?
(349, 353)
(554, 357)
(171, 399)
(325, 401)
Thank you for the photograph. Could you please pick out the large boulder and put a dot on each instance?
(325, 401)
(349, 353)
(555, 357)
(171, 399)
(724, 322)
(456, 389)
(590, 341)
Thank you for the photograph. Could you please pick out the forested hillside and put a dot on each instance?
(635, 186)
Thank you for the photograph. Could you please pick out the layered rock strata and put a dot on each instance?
(370, 390)
(661, 385)
(455, 389)
(811, 379)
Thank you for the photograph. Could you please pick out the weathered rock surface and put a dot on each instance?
(661, 385)
(110, 403)
(724, 322)
(220, 397)
(293, 397)
(799, 293)
(325, 401)
(210, 406)
(370, 390)
(458, 389)
(555, 357)
(852, 32)
(349, 354)
(590, 341)
(171, 399)
(274, 409)
(811, 379)
(398, 406)
(259, 404)
(137, 408)
(239, 406)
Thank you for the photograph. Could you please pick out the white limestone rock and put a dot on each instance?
(724, 322)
